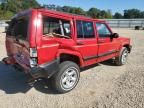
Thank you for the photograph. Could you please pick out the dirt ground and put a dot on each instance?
(102, 86)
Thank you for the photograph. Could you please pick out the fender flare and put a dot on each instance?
(127, 45)
(70, 52)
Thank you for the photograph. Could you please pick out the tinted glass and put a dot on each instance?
(85, 29)
(67, 29)
(18, 28)
(79, 29)
(52, 25)
(88, 29)
(103, 30)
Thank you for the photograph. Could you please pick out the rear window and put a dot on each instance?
(18, 28)
(56, 25)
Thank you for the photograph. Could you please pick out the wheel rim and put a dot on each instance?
(124, 56)
(69, 78)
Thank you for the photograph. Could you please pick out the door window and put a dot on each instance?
(103, 30)
(85, 29)
(57, 26)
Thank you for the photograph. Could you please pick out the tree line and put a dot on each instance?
(92, 12)
(10, 7)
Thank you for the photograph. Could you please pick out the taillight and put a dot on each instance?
(33, 52)
(33, 57)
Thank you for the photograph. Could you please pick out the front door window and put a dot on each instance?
(103, 30)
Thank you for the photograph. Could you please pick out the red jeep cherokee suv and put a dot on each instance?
(55, 45)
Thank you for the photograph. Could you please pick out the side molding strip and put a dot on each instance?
(100, 55)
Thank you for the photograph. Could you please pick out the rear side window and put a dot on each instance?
(103, 30)
(85, 29)
(55, 25)
(18, 28)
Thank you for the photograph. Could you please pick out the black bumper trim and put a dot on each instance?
(100, 55)
(45, 70)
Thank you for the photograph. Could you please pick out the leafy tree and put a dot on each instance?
(93, 12)
(73, 10)
(26, 4)
(118, 15)
(109, 14)
(78, 11)
(105, 14)
(10, 7)
(142, 14)
(66, 9)
(132, 13)
(102, 14)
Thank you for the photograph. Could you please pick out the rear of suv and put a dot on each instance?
(55, 45)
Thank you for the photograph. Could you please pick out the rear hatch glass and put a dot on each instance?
(17, 39)
(18, 28)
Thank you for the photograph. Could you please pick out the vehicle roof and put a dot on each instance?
(70, 15)
(22, 13)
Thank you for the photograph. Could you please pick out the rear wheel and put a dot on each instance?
(67, 78)
(122, 58)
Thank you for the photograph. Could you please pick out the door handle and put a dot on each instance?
(80, 43)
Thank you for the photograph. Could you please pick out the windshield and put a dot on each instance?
(18, 28)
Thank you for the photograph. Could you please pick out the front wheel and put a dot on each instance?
(122, 58)
(67, 78)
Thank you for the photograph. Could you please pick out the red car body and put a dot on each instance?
(50, 51)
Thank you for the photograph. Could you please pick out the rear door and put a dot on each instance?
(17, 40)
(52, 25)
(86, 41)
(108, 47)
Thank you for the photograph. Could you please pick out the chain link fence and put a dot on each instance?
(125, 23)
(115, 23)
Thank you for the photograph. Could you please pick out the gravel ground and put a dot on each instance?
(102, 86)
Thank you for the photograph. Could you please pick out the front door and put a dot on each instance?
(108, 47)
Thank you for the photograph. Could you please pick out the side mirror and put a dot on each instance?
(115, 35)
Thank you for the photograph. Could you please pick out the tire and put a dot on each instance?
(67, 78)
(122, 58)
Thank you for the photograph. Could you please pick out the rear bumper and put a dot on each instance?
(45, 70)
